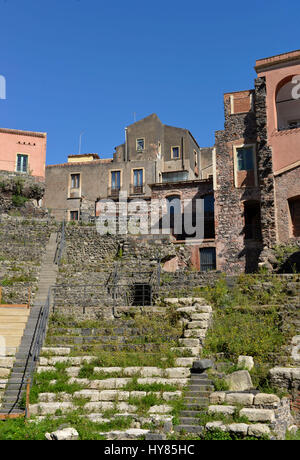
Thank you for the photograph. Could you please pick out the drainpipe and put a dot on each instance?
(126, 144)
(182, 159)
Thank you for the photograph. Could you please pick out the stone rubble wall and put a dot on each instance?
(288, 378)
(22, 245)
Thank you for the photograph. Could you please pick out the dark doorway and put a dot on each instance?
(252, 229)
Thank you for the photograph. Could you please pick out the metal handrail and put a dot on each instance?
(34, 351)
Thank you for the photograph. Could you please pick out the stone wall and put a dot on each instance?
(288, 378)
(22, 245)
(287, 185)
(233, 255)
(265, 166)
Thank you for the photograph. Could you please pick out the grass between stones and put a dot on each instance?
(35, 430)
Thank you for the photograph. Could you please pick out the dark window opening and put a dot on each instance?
(209, 217)
(207, 259)
(74, 215)
(252, 218)
(294, 205)
(142, 294)
(245, 159)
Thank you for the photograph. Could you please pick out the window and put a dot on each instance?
(177, 176)
(115, 180)
(138, 177)
(74, 215)
(209, 217)
(75, 180)
(22, 163)
(294, 205)
(245, 159)
(175, 152)
(288, 108)
(138, 180)
(140, 144)
(207, 259)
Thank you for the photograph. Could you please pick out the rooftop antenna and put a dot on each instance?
(134, 116)
(80, 136)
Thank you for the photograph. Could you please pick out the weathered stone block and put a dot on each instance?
(163, 409)
(217, 397)
(258, 415)
(195, 333)
(258, 430)
(266, 399)
(184, 362)
(226, 410)
(67, 434)
(238, 428)
(202, 364)
(57, 351)
(177, 373)
(239, 381)
(211, 426)
(4, 373)
(189, 342)
(246, 362)
(245, 399)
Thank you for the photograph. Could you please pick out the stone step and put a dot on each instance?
(7, 326)
(8, 319)
(13, 340)
(14, 311)
(200, 387)
(189, 428)
(195, 406)
(197, 394)
(9, 332)
(189, 420)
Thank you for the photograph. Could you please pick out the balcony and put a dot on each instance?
(113, 192)
(137, 189)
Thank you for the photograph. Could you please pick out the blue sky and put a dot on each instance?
(89, 65)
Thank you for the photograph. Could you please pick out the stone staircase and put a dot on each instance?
(19, 375)
(12, 324)
(135, 367)
(196, 401)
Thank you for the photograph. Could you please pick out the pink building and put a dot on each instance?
(282, 77)
(23, 152)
